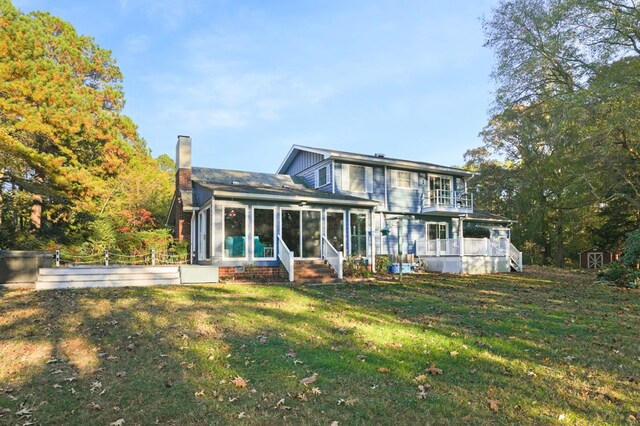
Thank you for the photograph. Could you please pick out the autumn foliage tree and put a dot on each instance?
(68, 155)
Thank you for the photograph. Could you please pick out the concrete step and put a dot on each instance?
(46, 285)
(109, 270)
(114, 276)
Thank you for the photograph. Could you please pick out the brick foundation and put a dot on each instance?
(251, 273)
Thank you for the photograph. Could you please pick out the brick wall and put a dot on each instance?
(248, 273)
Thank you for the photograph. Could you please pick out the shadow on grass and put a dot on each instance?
(169, 355)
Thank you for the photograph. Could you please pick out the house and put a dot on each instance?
(323, 205)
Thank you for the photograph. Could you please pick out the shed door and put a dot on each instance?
(595, 260)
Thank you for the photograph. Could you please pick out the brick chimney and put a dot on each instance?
(182, 229)
(183, 163)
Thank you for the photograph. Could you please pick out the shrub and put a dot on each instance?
(613, 272)
(355, 266)
(382, 264)
(631, 256)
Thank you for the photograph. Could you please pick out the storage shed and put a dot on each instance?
(596, 258)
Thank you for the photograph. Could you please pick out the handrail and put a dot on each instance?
(286, 257)
(333, 256)
(448, 198)
(515, 255)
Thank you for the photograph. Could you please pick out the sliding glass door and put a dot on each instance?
(301, 232)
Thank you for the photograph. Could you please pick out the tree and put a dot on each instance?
(566, 115)
(64, 142)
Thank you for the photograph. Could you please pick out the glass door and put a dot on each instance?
(310, 224)
(335, 230)
(440, 190)
(358, 224)
(291, 230)
(301, 232)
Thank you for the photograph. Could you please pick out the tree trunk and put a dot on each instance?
(559, 243)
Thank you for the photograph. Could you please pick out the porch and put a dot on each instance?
(470, 255)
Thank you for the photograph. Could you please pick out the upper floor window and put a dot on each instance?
(322, 176)
(403, 179)
(357, 178)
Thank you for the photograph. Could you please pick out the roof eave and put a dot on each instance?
(293, 198)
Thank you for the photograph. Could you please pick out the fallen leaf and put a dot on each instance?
(335, 423)
(361, 357)
(292, 354)
(383, 370)
(131, 346)
(118, 422)
(121, 373)
(241, 415)
(453, 353)
(199, 393)
(493, 404)
(308, 380)
(422, 391)
(280, 405)
(263, 340)
(420, 378)
(316, 391)
(94, 406)
(433, 370)
(239, 382)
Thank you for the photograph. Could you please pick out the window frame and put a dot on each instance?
(327, 176)
(224, 230)
(253, 232)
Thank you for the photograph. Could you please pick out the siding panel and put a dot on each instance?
(302, 161)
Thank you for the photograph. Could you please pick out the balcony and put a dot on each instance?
(441, 200)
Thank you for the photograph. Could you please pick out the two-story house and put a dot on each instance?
(324, 205)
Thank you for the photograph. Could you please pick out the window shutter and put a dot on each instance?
(414, 180)
(345, 177)
(368, 179)
(394, 178)
(317, 178)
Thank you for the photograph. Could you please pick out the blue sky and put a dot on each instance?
(247, 79)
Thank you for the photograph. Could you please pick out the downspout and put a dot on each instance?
(212, 230)
(386, 203)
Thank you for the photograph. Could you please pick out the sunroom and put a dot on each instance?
(270, 227)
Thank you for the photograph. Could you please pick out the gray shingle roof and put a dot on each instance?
(254, 185)
(372, 159)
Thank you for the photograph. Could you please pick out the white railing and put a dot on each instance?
(516, 256)
(470, 247)
(286, 257)
(441, 198)
(333, 256)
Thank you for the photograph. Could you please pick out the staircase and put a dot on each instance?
(107, 276)
(314, 271)
(515, 259)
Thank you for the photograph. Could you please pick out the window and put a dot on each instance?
(322, 177)
(263, 235)
(335, 230)
(440, 190)
(204, 248)
(358, 223)
(403, 179)
(436, 231)
(356, 178)
(234, 232)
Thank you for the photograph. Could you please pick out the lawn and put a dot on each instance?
(542, 347)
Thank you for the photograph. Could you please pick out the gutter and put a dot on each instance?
(294, 198)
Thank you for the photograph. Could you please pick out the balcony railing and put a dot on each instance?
(445, 200)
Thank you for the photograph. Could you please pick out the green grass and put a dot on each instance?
(549, 346)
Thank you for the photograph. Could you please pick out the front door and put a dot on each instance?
(301, 232)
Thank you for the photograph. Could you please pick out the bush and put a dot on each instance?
(355, 266)
(382, 264)
(613, 272)
(475, 231)
(631, 256)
